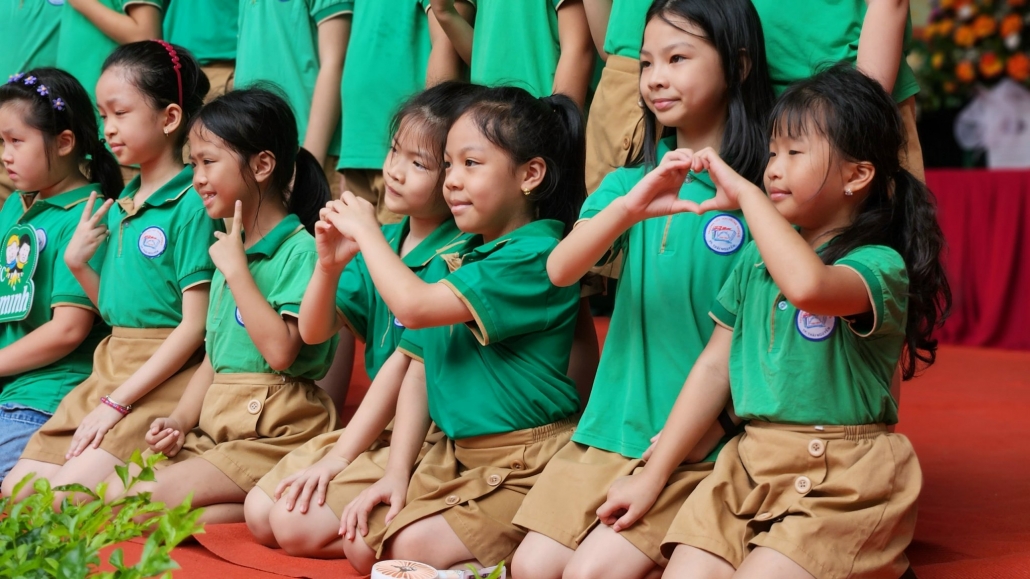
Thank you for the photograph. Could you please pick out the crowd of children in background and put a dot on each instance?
(209, 201)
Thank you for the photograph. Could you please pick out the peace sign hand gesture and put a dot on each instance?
(89, 234)
(227, 253)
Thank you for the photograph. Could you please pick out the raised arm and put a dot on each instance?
(452, 46)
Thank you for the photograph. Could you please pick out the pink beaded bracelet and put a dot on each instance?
(122, 409)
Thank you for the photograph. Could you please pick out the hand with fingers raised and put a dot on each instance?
(166, 436)
(334, 250)
(657, 194)
(89, 234)
(227, 253)
(353, 217)
(300, 488)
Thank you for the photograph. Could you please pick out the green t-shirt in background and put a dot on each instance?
(516, 44)
(626, 28)
(29, 30)
(207, 28)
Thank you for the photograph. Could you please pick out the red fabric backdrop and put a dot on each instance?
(986, 220)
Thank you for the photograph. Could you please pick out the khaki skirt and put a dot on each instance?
(367, 468)
(838, 500)
(249, 422)
(477, 484)
(563, 503)
(116, 358)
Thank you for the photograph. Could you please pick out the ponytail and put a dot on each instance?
(549, 128)
(310, 190)
(56, 102)
(564, 189)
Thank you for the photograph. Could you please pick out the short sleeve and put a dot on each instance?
(161, 5)
(322, 10)
(505, 292)
(727, 304)
(886, 279)
(355, 297)
(612, 187)
(66, 290)
(193, 263)
(557, 4)
(286, 295)
(412, 345)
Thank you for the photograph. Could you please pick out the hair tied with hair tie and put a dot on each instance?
(175, 65)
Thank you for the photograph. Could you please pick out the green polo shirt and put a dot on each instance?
(157, 252)
(29, 30)
(54, 220)
(361, 306)
(671, 268)
(506, 370)
(278, 43)
(386, 57)
(792, 367)
(516, 44)
(207, 28)
(802, 36)
(626, 28)
(281, 264)
(82, 48)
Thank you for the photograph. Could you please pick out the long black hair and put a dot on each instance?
(861, 122)
(733, 28)
(165, 74)
(65, 106)
(550, 128)
(258, 119)
(431, 113)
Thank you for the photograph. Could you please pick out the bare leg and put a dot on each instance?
(431, 541)
(360, 555)
(256, 509)
(767, 563)
(313, 534)
(692, 562)
(20, 470)
(88, 469)
(210, 487)
(540, 557)
(607, 554)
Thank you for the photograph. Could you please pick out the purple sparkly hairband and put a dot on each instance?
(41, 89)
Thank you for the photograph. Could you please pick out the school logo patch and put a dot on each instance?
(153, 241)
(17, 290)
(56, 2)
(724, 234)
(397, 322)
(41, 239)
(239, 318)
(815, 328)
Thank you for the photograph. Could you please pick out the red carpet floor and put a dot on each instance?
(967, 417)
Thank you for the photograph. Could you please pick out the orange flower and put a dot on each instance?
(944, 27)
(949, 87)
(1011, 24)
(965, 37)
(1018, 66)
(965, 71)
(990, 65)
(984, 26)
(1015, 3)
(945, 4)
(937, 60)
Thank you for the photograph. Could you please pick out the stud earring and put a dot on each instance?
(848, 192)
(640, 102)
(527, 192)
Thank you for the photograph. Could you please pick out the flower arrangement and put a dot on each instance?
(969, 44)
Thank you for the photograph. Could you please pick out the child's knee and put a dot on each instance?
(257, 509)
(359, 554)
(298, 534)
(527, 564)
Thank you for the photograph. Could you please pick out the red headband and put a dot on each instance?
(175, 64)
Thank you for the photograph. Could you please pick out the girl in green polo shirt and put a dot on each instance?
(340, 295)
(254, 398)
(842, 281)
(153, 289)
(703, 77)
(46, 343)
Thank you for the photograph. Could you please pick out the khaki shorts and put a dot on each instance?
(563, 503)
(615, 126)
(6, 185)
(370, 186)
(367, 468)
(838, 500)
(477, 485)
(249, 422)
(116, 358)
(220, 75)
(912, 156)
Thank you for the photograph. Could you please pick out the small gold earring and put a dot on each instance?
(527, 192)
(166, 134)
(848, 192)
